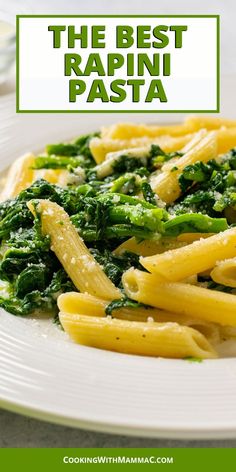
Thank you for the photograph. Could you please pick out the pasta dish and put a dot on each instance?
(126, 238)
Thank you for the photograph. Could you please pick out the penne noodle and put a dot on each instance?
(125, 196)
(192, 280)
(148, 247)
(225, 273)
(89, 305)
(20, 176)
(194, 141)
(130, 337)
(166, 184)
(203, 150)
(106, 167)
(54, 176)
(101, 147)
(227, 332)
(73, 303)
(191, 144)
(133, 130)
(226, 139)
(86, 304)
(208, 122)
(81, 303)
(78, 262)
(184, 299)
(211, 331)
(191, 237)
(190, 124)
(194, 258)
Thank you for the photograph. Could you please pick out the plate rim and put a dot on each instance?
(181, 433)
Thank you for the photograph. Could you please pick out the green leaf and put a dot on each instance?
(123, 303)
(193, 359)
(194, 223)
(63, 149)
(115, 266)
(228, 199)
(34, 277)
(58, 162)
(148, 193)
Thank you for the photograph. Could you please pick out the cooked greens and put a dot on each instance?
(209, 188)
(105, 211)
(123, 303)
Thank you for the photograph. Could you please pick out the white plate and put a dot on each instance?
(45, 375)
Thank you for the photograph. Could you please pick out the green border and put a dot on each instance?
(217, 17)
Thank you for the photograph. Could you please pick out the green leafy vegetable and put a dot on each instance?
(208, 188)
(105, 212)
(79, 147)
(115, 266)
(193, 359)
(194, 223)
(58, 162)
(123, 303)
(148, 193)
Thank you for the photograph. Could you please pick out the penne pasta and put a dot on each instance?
(73, 303)
(191, 237)
(101, 147)
(20, 176)
(197, 137)
(184, 299)
(194, 258)
(166, 184)
(168, 166)
(148, 248)
(81, 303)
(78, 262)
(190, 124)
(130, 337)
(211, 331)
(117, 201)
(225, 272)
(86, 304)
(208, 122)
(89, 305)
(226, 139)
(133, 130)
(227, 332)
(54, 176)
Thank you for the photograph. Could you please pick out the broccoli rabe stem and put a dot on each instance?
(139, 216)
(194, 223)
(127, 199)
(58, 162)
(121, 231)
